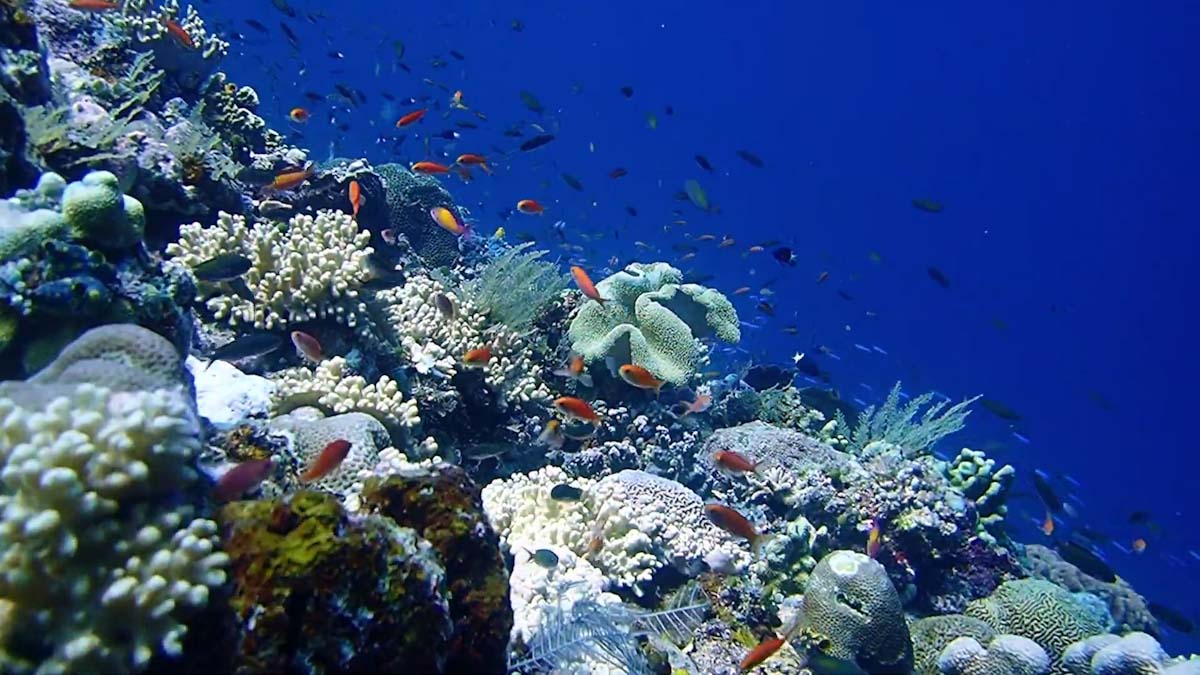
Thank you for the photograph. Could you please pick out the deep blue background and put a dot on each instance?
(1061, 140)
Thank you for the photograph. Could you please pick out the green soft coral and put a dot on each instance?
(650, 319)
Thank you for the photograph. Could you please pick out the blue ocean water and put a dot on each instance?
(1061, 141)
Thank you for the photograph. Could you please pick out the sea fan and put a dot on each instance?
(898, 425)
(515, 286)
(679, 620)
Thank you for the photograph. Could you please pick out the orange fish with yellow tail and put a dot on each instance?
(767, 648)
(471, 159)
(576, 409)
(289, 180)
(584, 282)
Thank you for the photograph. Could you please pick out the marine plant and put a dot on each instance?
(898, 425)
(515, 286)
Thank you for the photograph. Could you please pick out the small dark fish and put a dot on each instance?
(536, 142)
(572, 182)
(291, 37)
(999, 409)
(784, 255)
(766, 308)
(1139, 518)
(546, 558)
(845, 296)
(808, 366)
(1088, 562)
(222, 268)
(531, 101)
(457, 54)
(691, 278)
(478, 452)
(704, 163)
(669, 109)
(314, 96)
(257, 26)
(282, 6)
(751, 158)
(927, 205)
(564, 492)
(387, 96)
(346, 91)
(938, 276)
(448, 134)
(517, 25)
(445, 306)
(466, 125)
(627, 91)
(684, 248)
(631, 211)
(618, 172)
(1174, 619)
(253, 344)
(1046, 493)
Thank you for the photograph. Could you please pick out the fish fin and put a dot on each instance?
(585, 379)
(562, 372)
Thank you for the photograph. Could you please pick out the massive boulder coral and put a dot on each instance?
(932, 634)
(409, 199)
(310, 432)
(1129, 609)
(312, 269)
(1004, 655)
(852, 614)
(652, 319)
(1132, 654)
(101, 557)
(628, 525)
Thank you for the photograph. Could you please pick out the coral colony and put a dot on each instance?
(275, 427)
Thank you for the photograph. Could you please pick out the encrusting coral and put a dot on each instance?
(652, 319)
(99, 557)
(312, 269)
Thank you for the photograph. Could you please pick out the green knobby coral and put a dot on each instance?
(99, 213)
(979, 480)
(652, 320)
(1041, 611)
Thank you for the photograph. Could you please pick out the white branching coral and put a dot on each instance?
(312, 269)
(100, 561)
(412, 313)
(627, 525)
(149, 23)
(331, 386)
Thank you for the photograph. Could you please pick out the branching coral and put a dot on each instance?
(148, 24)
(515, 286)
(312, 269)
(331, 386)
(99, 557)
(979, 480)
(896, 425)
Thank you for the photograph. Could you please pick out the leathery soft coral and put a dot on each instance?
(100, 560)
(628, 525)
(312, 269)
(429, 337)
(331, 386)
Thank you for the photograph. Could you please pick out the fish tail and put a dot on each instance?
(585, 379)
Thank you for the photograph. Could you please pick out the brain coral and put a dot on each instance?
(931, 635)
(651, 320)
(1005, 655)
(1128, 608)
(852, 613)
(1041, 611)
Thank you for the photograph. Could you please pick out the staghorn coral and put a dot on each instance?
(852, 614)
(100, 558)
(1129, 610)
(931, 635)
(652, 320)
(331, 386)
(312, 269)
(1040, 611)
(1004, 655)
(977, 477)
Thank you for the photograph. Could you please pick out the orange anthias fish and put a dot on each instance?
(357, 198)
(430, 167)
(577, 409)
(448, 220)
(767, 648)
(702, 403)
(1139, 545)
(411, 117)
(241, 479)
(641, 378)
(290, 179)
(181, 36)
(742, 290)
(477, 358)
(298, 115)
(873, 539)
(584, 282)
(734, 462)
(530, 207)
(734, 523)
(94, 5)
(470, 159)
(307, 346)
(1048, 525)
(575, 371)
(325, 463)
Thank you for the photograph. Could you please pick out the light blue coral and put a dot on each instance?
(1133, 654)
(1004, 655)
(652, 320)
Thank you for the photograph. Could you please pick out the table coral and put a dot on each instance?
(653, 320)
(99, 556)
(312, 269)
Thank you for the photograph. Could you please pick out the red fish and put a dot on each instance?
(1048, 524)
(530, 207)
(325, 463)
(307, 346)
(734, 462)
(576, 408)
(448, 220)
(430, 167)
(176, 31)
(241, 479)
(289, 179)
(94, 5)
(734, 523)
(641, 378)
(584, 282)
(477, 358)
(765, 650)
(873, 539)
(411, 117)
(298, 115)
(575, 371)
(357, 199)
(470, 159)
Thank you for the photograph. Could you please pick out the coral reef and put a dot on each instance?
(931, 635)
(1128, 609)
(653, 320)
(102, 560)
(1135, 653)
(1004, 655)
(409, 199)
(978, 479)
(330, 387)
